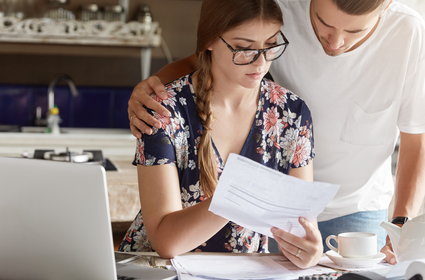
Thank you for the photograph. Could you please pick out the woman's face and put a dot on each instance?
(255, 34)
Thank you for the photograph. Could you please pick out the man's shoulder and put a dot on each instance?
(405, 16)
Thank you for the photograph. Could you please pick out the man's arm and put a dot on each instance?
(410, 181)
(177, 69)
(410, 175)
(140, 119)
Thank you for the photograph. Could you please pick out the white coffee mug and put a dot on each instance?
(354, 244)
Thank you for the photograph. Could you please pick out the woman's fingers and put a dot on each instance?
(312, 233)
(289, 238)
(287, 246)
(303, 252)
(295, 260)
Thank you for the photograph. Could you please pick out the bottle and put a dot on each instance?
(53, 121)
(58, 11)
(114, 13)
(90, 12)
(145, 16)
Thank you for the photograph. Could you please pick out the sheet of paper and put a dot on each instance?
(137, 271)
(400, 270)
(220, 266)
(257, 197)
(297, 272)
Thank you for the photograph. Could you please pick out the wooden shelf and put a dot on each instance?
(96, 38)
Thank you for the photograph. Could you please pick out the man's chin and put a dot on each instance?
(333, 52)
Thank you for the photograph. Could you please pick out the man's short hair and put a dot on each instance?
(358, 7)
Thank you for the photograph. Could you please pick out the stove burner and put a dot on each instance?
(68, 156)
(87, 156)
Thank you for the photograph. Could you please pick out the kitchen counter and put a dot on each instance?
(116, 145)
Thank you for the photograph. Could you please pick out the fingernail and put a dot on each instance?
(158, 125)
(302, 219)
(392, 261)
(148, 131)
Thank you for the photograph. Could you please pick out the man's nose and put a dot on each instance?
(335, 41)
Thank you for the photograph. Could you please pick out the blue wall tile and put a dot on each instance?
(93, 107)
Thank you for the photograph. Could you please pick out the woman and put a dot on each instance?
(224, 107)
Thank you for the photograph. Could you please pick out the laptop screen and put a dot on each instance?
(55, 221)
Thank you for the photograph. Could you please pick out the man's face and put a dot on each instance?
(339, 32)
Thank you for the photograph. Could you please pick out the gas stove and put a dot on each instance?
(86, 156)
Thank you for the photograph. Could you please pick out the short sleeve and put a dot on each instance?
(154, 149)
(304, 150)
(411, 116)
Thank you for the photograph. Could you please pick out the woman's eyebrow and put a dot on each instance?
(252, 41)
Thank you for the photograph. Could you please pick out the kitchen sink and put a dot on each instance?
(9, 128)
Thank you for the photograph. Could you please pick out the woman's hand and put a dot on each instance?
(140, 119)
(303, 252)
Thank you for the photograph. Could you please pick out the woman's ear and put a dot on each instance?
(212, 45)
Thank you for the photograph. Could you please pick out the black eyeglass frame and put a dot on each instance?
(259, 51)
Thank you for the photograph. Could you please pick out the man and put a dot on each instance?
(360, 66)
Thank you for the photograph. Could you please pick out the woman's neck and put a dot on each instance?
(233, 97)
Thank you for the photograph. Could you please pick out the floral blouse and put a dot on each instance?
(281, 137)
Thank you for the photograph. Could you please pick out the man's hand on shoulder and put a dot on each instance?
(142, 95)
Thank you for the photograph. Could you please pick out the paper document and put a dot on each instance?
(258, 198)
(230, 266)
(407, 269)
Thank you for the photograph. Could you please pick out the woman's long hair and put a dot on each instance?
(217, 17)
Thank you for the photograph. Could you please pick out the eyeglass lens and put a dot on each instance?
(249, 56)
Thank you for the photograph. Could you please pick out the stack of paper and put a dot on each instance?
(230, 266)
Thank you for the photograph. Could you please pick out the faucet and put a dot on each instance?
(53, 118)
(51, 89)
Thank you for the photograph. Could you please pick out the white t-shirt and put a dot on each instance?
(359, 101)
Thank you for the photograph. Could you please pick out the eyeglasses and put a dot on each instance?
(248, 56)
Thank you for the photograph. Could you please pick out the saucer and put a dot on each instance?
(354, 262)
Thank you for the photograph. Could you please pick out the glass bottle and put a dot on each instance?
(57, 10)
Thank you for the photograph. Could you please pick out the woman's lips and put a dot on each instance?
(255, 76)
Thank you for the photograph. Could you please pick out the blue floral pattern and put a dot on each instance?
(281, 137)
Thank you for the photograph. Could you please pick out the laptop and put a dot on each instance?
(55, 223)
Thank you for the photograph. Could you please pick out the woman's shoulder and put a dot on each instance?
(178, 93)
(180, 86)
(279, 95)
